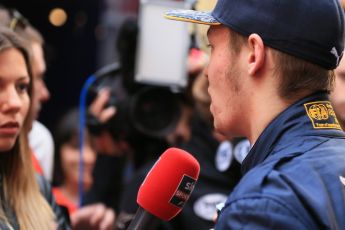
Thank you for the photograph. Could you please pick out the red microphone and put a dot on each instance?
(166, 188)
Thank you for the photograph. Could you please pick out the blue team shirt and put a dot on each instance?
(294, 175)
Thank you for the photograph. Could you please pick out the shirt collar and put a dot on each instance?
(308, 116)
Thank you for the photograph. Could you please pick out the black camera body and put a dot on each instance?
(150, 110)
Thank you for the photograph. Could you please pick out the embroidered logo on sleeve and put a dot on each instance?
(322, 115)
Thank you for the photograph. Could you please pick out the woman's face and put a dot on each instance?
(14, 97)
(70, 156)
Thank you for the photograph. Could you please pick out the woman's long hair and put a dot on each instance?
(20, 190)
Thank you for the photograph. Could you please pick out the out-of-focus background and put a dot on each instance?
(80, 37)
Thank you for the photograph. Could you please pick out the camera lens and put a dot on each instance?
(155, 111)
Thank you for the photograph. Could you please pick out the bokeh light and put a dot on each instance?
(57, 17)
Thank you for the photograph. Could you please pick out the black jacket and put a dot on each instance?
(45, 189)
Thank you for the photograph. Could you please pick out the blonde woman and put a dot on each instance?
(95, 216)
(40, 139)
(22, 205)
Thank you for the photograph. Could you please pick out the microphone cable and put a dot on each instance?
(82, 125)
(103, 72)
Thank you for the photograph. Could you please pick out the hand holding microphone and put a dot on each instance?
(166, 188)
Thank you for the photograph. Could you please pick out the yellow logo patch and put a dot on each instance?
(322, 115)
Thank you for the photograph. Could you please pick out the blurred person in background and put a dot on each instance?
(338, 94)
(67, 159)
(121, 148)
(66, 188)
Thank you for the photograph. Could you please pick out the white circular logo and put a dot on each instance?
(241, 150)
(224, 156)
(205, 206)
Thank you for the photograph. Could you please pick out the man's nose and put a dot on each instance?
(44, 94)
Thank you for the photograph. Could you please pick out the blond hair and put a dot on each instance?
(20, 189)
(12, 19)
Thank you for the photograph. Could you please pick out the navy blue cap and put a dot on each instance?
(312, 30)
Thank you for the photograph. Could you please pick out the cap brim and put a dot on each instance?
(193, 16)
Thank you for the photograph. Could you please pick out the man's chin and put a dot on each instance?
(31, 123)
(35, 115)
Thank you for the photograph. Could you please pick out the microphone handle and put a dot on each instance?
(143, 220)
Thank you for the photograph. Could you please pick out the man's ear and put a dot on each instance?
(256, 57)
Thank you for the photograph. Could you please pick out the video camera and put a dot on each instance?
(147, 84)
(151, 110)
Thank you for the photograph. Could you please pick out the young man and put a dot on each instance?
(269, 73)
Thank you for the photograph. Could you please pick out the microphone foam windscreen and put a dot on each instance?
(169, 184)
